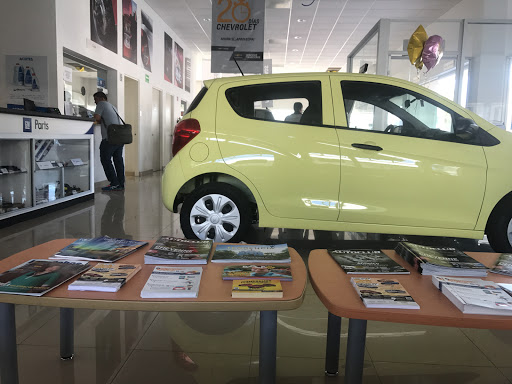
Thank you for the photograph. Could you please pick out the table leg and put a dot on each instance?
(332, 352)
(67, 341)
(268, 342)
(8, 351)
(355, 351)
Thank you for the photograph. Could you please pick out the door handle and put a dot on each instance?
(367, 146)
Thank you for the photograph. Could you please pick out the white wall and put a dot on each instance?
(73, 33)
(480, 9)
(28, 28)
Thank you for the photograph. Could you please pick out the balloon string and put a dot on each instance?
(307, 5)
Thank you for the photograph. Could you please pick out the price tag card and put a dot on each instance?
(44, 164)
(77, 161)
(4, 170)
(23, 169)
(60, 165)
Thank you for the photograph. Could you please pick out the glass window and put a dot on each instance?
(293, 103)
(394, 110)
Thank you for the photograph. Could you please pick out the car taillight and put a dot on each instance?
(184, 131)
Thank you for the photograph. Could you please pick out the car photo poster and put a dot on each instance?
(146, 41)
(167, 58)
(178, 65)
(188, 70)
(104, 23)
(27, 78)
(237, 34)
(130, 30)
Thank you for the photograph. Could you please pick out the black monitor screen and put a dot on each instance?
(29, 105)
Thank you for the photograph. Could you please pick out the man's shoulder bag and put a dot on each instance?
(119, 134)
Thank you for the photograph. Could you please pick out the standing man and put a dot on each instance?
(296, 115)
(105, 114)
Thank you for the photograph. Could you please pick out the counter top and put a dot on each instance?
(43, 114)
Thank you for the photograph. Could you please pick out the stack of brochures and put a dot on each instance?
(173, 282)
(243, 253)
(269, 272)
(172, 250)
(440, 260)
(475, 296)
(105, 249)
(256, 289)
(366, 261)
(36, 277)
(105, 277)
(383, 292)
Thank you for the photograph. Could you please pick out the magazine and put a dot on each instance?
(105, 277)
(36, 277)
(440, 260)
(503, 265)
(104, 249)
(242, 253)
(257, 288)
(173, 282)
(366, 261)
(475, 296)
(172, 250)
(383, 292)
(270, 272)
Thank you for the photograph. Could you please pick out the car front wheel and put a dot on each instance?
(499, 230)
(215, 211)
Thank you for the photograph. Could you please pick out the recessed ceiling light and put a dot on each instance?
(297, 37)
(295, 50)
(207, 19)
(301, 20)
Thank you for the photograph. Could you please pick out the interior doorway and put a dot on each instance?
(131, 112)
(156, 130)
(167, 129)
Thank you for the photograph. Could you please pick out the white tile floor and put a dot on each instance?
(138, 347)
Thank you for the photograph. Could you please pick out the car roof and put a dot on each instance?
(304, 75)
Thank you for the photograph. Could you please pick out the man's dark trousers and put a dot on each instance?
(109, 152)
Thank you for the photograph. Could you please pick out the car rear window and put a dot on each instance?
(197, 100)
(298, 102)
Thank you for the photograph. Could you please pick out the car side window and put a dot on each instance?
(297, 102)
(398, 111)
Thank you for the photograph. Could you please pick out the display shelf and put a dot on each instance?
(12, 173)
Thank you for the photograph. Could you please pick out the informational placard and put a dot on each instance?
(77, 162)
(237, 34)
(188, 72)
(27, 78)
(44, 164)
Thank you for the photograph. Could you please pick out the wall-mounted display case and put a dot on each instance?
(44, 160)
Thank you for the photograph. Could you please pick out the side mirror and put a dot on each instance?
(465, 129)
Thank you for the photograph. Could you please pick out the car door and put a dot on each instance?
(401, 162)
(295, 166)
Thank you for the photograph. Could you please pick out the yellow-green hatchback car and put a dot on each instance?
(339, 152)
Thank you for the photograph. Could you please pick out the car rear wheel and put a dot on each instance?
(216, 211)
(499, 229)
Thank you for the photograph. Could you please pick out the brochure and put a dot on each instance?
(383, 292)
(104, 249)
(257, 288)
(503, 265)
(105, 277)
(172, 250)
(38, 276)
(242, 253)
(366, 261)
(270, 272)
(173, 282)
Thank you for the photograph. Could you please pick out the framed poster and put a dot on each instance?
(146, 41)
(178, 65)
(130, 30)
(104, 23)
(167, 58)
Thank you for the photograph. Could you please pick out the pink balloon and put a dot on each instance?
(432, 51)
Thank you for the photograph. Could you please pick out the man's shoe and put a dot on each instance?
(112, 188)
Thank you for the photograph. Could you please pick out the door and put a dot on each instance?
(168, 129)
(294, 165)
(131, 109)
(402, 162)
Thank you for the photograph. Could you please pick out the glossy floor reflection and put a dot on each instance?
(134, 347)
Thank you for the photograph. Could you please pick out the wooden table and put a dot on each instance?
(214, 295)
(334, 289)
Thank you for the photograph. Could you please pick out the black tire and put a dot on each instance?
(223, 230)
(497, 228)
